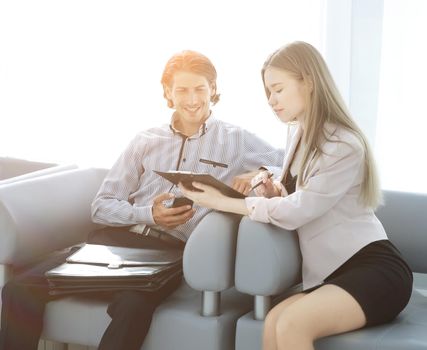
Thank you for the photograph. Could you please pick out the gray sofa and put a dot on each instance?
(207, 311)
(201, 314)
(268, 268)
(15, 169)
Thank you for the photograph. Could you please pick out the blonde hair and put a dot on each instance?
(324, 105)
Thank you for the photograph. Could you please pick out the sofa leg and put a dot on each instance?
(5, 274)
(211, 302)
(51, 345)
(262, 305)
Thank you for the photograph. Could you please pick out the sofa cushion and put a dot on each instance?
(177, 324)
(408, 331)
(405, 221)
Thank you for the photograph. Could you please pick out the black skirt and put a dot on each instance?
(378, 278)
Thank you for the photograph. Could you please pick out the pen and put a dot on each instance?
(260, 182)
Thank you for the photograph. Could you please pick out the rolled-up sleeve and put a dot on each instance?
(111, 205)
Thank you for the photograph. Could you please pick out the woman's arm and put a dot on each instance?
(212, 198)
(337, 173)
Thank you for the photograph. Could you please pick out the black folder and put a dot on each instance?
(116, 257)
(96, 268)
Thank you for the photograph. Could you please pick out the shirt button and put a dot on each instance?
(184, 159)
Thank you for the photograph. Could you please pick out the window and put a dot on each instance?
(401, 138)
(80, 78)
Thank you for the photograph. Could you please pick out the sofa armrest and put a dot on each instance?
(37, 173)
(209, 257)
(13, 167)
(268, 263)
(210, 253)
(46, 213)
(268, 259)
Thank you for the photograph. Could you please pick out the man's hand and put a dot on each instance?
(242, 183)
(268, 187)
(170, 217)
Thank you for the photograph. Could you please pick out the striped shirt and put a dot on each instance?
(220, 149)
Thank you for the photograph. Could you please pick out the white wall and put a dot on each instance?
(402, 115)
(79, 78)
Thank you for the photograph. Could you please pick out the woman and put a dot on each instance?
(353, 276)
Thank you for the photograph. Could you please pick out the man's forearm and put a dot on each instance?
(113, 212)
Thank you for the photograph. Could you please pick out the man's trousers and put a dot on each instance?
(25, 296)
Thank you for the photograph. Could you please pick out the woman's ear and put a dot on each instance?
(309, 84)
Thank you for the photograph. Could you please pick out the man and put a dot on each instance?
(134, 199)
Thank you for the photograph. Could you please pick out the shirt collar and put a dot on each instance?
(202, 130)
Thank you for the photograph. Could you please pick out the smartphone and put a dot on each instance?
(180, 201)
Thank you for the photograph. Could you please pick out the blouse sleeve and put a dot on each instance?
(335, 172)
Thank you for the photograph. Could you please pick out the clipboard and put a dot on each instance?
(187, 177)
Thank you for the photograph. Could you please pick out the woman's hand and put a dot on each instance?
(267, 188)
(214, 199)
(208, 197)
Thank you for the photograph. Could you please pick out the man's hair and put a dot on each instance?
(192, 62)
